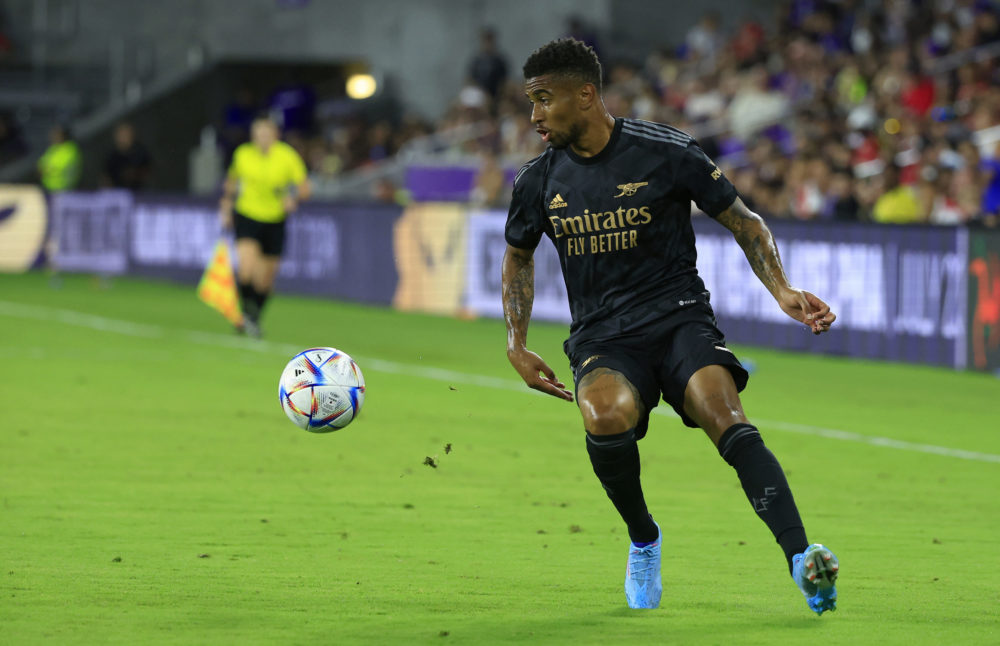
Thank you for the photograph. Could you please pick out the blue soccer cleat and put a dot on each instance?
(815, 572)
(643, 585)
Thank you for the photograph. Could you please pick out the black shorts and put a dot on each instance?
(662, 359)
(270, 235)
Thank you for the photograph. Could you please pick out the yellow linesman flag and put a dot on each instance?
(217, 288)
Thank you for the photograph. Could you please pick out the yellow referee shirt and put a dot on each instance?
(264, 179)
(59, 167)
(898, 206)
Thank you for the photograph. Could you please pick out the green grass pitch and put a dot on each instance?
(152, 492)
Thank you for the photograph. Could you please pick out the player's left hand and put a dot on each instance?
(290, 204)
(806, 308)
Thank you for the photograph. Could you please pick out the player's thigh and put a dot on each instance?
(609, 402)
(267, 269)
(247, 258)
(712, 401)
(701, 378)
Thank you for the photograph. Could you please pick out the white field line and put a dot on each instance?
(143, 330)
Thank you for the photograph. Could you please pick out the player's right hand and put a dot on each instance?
(537, 374)
(226, 215)
(807, 308)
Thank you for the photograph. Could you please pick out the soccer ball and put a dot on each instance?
(321, 390)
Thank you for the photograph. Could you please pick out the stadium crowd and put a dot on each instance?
(884, 111)
(839, 111)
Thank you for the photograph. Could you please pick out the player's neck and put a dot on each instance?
(595, 137)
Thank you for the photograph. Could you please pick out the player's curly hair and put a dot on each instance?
(565, 57)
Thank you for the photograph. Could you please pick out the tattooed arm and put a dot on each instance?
(518, 294)
(758, 244)
(518, 297)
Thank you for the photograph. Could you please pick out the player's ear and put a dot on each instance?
(587, 95)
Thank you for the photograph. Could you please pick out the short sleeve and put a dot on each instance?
(234, 166)
(296, 167)
(524, 219)
(708, 187)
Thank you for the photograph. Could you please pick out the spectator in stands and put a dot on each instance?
(755, 105)
(840, 203)
(488, 68)
(987, 24)
(808, 179)
(59, 167)
(128, 165)
(705, 40)
(917, 93)
(490, 188)
(991, 196)
(705, 100)
(898, 203)
(380, 142)
(815, 110)
(943, 207)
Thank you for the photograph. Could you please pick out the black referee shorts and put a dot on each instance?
(270, 235)
(662, 359)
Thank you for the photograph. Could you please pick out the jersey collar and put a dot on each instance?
(605, 152)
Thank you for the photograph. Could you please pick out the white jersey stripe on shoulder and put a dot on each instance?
(646, 135)
(658, 135)
(662, 132)
(658, 127)
(526, 167)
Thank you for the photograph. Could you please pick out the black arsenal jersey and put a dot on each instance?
(621, 223)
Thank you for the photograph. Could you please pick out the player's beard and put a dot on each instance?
(559, 140)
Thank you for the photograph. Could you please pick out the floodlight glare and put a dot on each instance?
(361, 86)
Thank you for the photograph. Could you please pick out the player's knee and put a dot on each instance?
(715, 420)
(608, 418)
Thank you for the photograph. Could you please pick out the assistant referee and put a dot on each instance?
(268, 180)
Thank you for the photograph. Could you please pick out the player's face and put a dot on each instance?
(263, 133)
(555, 110)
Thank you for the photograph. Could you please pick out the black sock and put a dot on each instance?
(616, 463)
(261, 299)
(248, 300)
(765, 486)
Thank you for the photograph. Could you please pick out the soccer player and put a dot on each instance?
(614, 197)
(271, 180)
